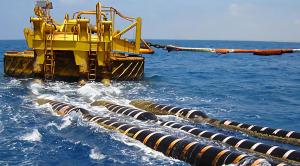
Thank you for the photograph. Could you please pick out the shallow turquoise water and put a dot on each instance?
(246, 88)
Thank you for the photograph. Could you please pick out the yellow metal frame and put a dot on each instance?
(81, 37)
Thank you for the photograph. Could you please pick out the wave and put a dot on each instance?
(148, 155)
(36, 87)
(34, 136)
(118, 93)
(66, 123)
(154, 77)
(246, 162)
(95, 154)
(96, 91)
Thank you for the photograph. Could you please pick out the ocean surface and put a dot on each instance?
(242, 87)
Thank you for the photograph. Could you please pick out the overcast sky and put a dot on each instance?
(258, 20)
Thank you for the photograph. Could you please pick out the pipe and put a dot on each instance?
(77, 15)
(255, 51)
(284, 136)
(120, 14)
(278, 153)
(296, 50)
(185, 150)
(146, 51)
(137, 114)
(284, 155)
(267, 52)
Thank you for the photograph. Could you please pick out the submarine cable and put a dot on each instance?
(285, 155)
(191, 152)
(291, 137)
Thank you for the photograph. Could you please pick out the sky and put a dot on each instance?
(247, 20)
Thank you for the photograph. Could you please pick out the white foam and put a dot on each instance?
(247, 161)
(34, 136)
(115, 90)
(35, 88)
(92, 92)
(96, 91)
(150, 153)
(16, 118)
(61, 87)
(89, 91)
(66, 122)
(11, 84)
(14, 82)
(95, 154)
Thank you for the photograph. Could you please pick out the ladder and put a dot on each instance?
(92, 66)
(49, 65)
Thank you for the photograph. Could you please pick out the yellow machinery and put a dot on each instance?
(79, 49)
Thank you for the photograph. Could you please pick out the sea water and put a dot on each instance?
(241, 87)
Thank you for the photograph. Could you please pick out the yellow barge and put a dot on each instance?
(78, 48)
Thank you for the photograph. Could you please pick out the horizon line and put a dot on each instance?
(230, 40)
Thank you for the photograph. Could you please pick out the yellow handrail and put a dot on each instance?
(125, 30)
